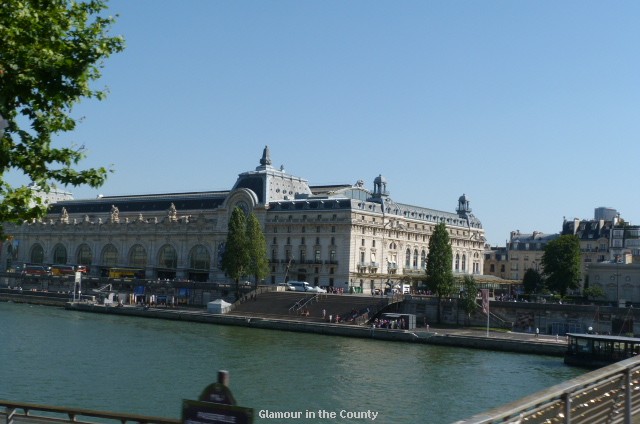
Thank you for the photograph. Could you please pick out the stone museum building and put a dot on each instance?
(345, 236)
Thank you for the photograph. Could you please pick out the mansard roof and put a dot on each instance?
(199, 201)
(277, 190)
(587, 229)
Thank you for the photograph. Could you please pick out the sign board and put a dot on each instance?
(198, 412)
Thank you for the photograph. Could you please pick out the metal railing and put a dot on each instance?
(12, 412)
(607, 395)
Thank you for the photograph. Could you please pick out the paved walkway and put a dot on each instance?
(475, 332)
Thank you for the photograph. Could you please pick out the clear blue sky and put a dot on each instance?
(530, 108)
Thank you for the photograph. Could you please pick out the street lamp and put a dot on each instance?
(385, 224)
(616, 276)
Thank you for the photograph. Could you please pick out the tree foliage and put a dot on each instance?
(258, 261)
(245, 250)
(469, 294)
(439, 264)
(593, 292)
(51, 52)
(561, 262)
(532, 281)
(235, 260)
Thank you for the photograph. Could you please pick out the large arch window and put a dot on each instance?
(109, 255)
(457, 262)
(423, 260)
(415, 258)
(59, 254)
(464, 262)
(168, 257)
(37, 254)
(138, 256)
(199, 258)
(84, 256)
(407, 261)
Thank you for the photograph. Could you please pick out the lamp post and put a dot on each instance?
(616, 277)
(617, 281)
(384, 232)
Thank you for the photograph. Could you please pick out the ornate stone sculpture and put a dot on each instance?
(172, 213)
(115, 214)
(64, 216)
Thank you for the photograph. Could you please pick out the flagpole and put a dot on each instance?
(485, 305)
(487, 322)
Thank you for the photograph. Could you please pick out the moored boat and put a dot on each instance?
(595, 350)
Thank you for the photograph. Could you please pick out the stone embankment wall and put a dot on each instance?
(550, 318)
(344, 330)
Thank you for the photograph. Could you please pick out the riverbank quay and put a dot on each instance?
(34, 297)
(452, 337)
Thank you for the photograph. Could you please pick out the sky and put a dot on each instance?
(530, 108)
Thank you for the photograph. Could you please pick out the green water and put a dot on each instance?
(52, 356)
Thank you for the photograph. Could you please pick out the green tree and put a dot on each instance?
(51, 51)
(468, 296)
(258, 261)
(236, 260)
(593, 292)
(439, 264)
(532, 281)
(561, 262)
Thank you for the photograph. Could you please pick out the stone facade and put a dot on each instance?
(341, 235)
(522, 252)
(619, 280)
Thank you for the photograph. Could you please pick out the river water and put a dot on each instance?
(76, 359)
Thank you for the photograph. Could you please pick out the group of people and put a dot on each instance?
(396, 324)
(334, 290)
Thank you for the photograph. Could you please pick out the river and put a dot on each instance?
(52, 356)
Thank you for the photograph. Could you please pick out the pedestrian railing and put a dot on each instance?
(607, 395)
(12, 412)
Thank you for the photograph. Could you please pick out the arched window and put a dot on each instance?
(407, 261)
(457, 262)
(415, 258)
(109, 256)
(199, 258)
(84, 256)
(168, 258)
(59, 254)
(37, 254)
(423, 260)
(138, 256)
(464, 262)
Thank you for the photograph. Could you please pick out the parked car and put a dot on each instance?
(287, 286)
(302, 286)
(315, 289)
(63, 269)
(35, 270)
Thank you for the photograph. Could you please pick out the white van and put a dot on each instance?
(299, 285)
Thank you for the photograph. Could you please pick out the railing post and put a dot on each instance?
(567, 408)
(10, 413)
(627, 396)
